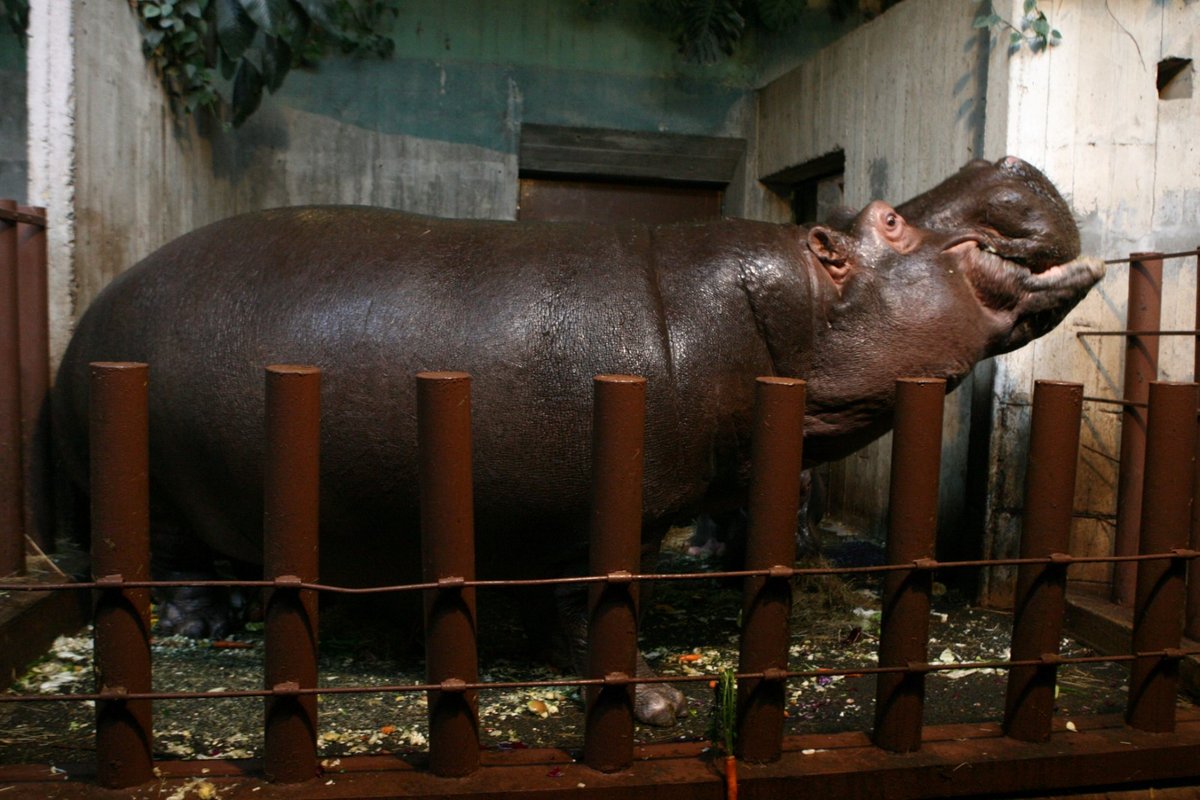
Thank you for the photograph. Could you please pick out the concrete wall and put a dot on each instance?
(1088, 113)
(433, 130)
(903, 98)
(13, 164)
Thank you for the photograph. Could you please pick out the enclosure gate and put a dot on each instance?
(1154, 744)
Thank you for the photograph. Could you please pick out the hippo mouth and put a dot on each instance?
(1006, 282)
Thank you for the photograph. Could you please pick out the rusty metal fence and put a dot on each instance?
(1142, 333)
(24, 382)
(1027, 750)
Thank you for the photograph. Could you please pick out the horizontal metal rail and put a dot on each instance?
(1061, 559)
(23, 216)
(462, 686)
(1140, 256)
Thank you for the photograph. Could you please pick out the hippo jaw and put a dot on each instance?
(1024, 298)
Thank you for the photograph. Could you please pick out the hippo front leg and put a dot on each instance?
(191, 611)
(654, 704)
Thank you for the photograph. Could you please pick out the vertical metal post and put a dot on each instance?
(618, 432)
(120, 490)
(1041, 588)
(1141, 367)
(448, 557)
(12, 492)
(34, 349)
(777, 460)
(1191, 625)
(291, 482)
(912, 506)
(1166, 514)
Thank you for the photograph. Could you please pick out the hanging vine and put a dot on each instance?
(1032, 29)
(206, 49)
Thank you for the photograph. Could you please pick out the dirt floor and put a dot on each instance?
(690, 628)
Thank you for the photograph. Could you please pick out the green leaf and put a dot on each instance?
(235, 30)
(1030, 6)
(277, 60)
(150, 11)
(1014, 39)
(247, 92)
(272, 16)
(318, 12)
(1041, 27)
(1055, 35)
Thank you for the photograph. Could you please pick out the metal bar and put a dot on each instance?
(1137, 256)
(777, 571)
(776, 461)
(618, 432)
(9, 212)
(12, 492)
(34, 346)
(120, 491)
(1191, 617)
(448, 553)
(1166, 515)
(1083, 334)
(913, 500)
(486, 686)
(1116, 402)
(1143, 312)
(1040, 601)
(290, 550)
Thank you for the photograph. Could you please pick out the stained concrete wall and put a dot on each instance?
(1088, 112)
(903, 97)
(13, 161)
(433, 130)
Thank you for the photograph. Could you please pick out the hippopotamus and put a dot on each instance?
(533, 311)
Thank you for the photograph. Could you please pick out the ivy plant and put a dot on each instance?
(207, 51)
(1032, 29)
(705, 31)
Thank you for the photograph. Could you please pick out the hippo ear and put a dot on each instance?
(832, 249)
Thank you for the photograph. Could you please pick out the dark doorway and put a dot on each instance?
(604, 175)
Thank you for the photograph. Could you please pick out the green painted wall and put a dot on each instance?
(471, 71)
(13, 165)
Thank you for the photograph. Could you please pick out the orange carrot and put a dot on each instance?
(731, 789)
(688, 657)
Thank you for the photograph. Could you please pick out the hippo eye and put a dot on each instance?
(891, 220)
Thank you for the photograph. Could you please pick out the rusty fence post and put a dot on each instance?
(1141, 367)
(120, 491)
(448, 557)
(1166, 514)
(777, 458)
(1041, 588)
(912, 507)
(12, 492)
(618, 432)
(290, 555)
(1191, 627)
(34, 324)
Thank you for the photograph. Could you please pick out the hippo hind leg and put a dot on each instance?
(197, 612)
(653, 703)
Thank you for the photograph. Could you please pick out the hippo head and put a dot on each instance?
(992, 273)
(1009, 206)
(1001, 227)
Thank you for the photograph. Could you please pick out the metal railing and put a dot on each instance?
(120, 525)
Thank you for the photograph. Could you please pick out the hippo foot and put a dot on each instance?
(658, 704)
(198, 612)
